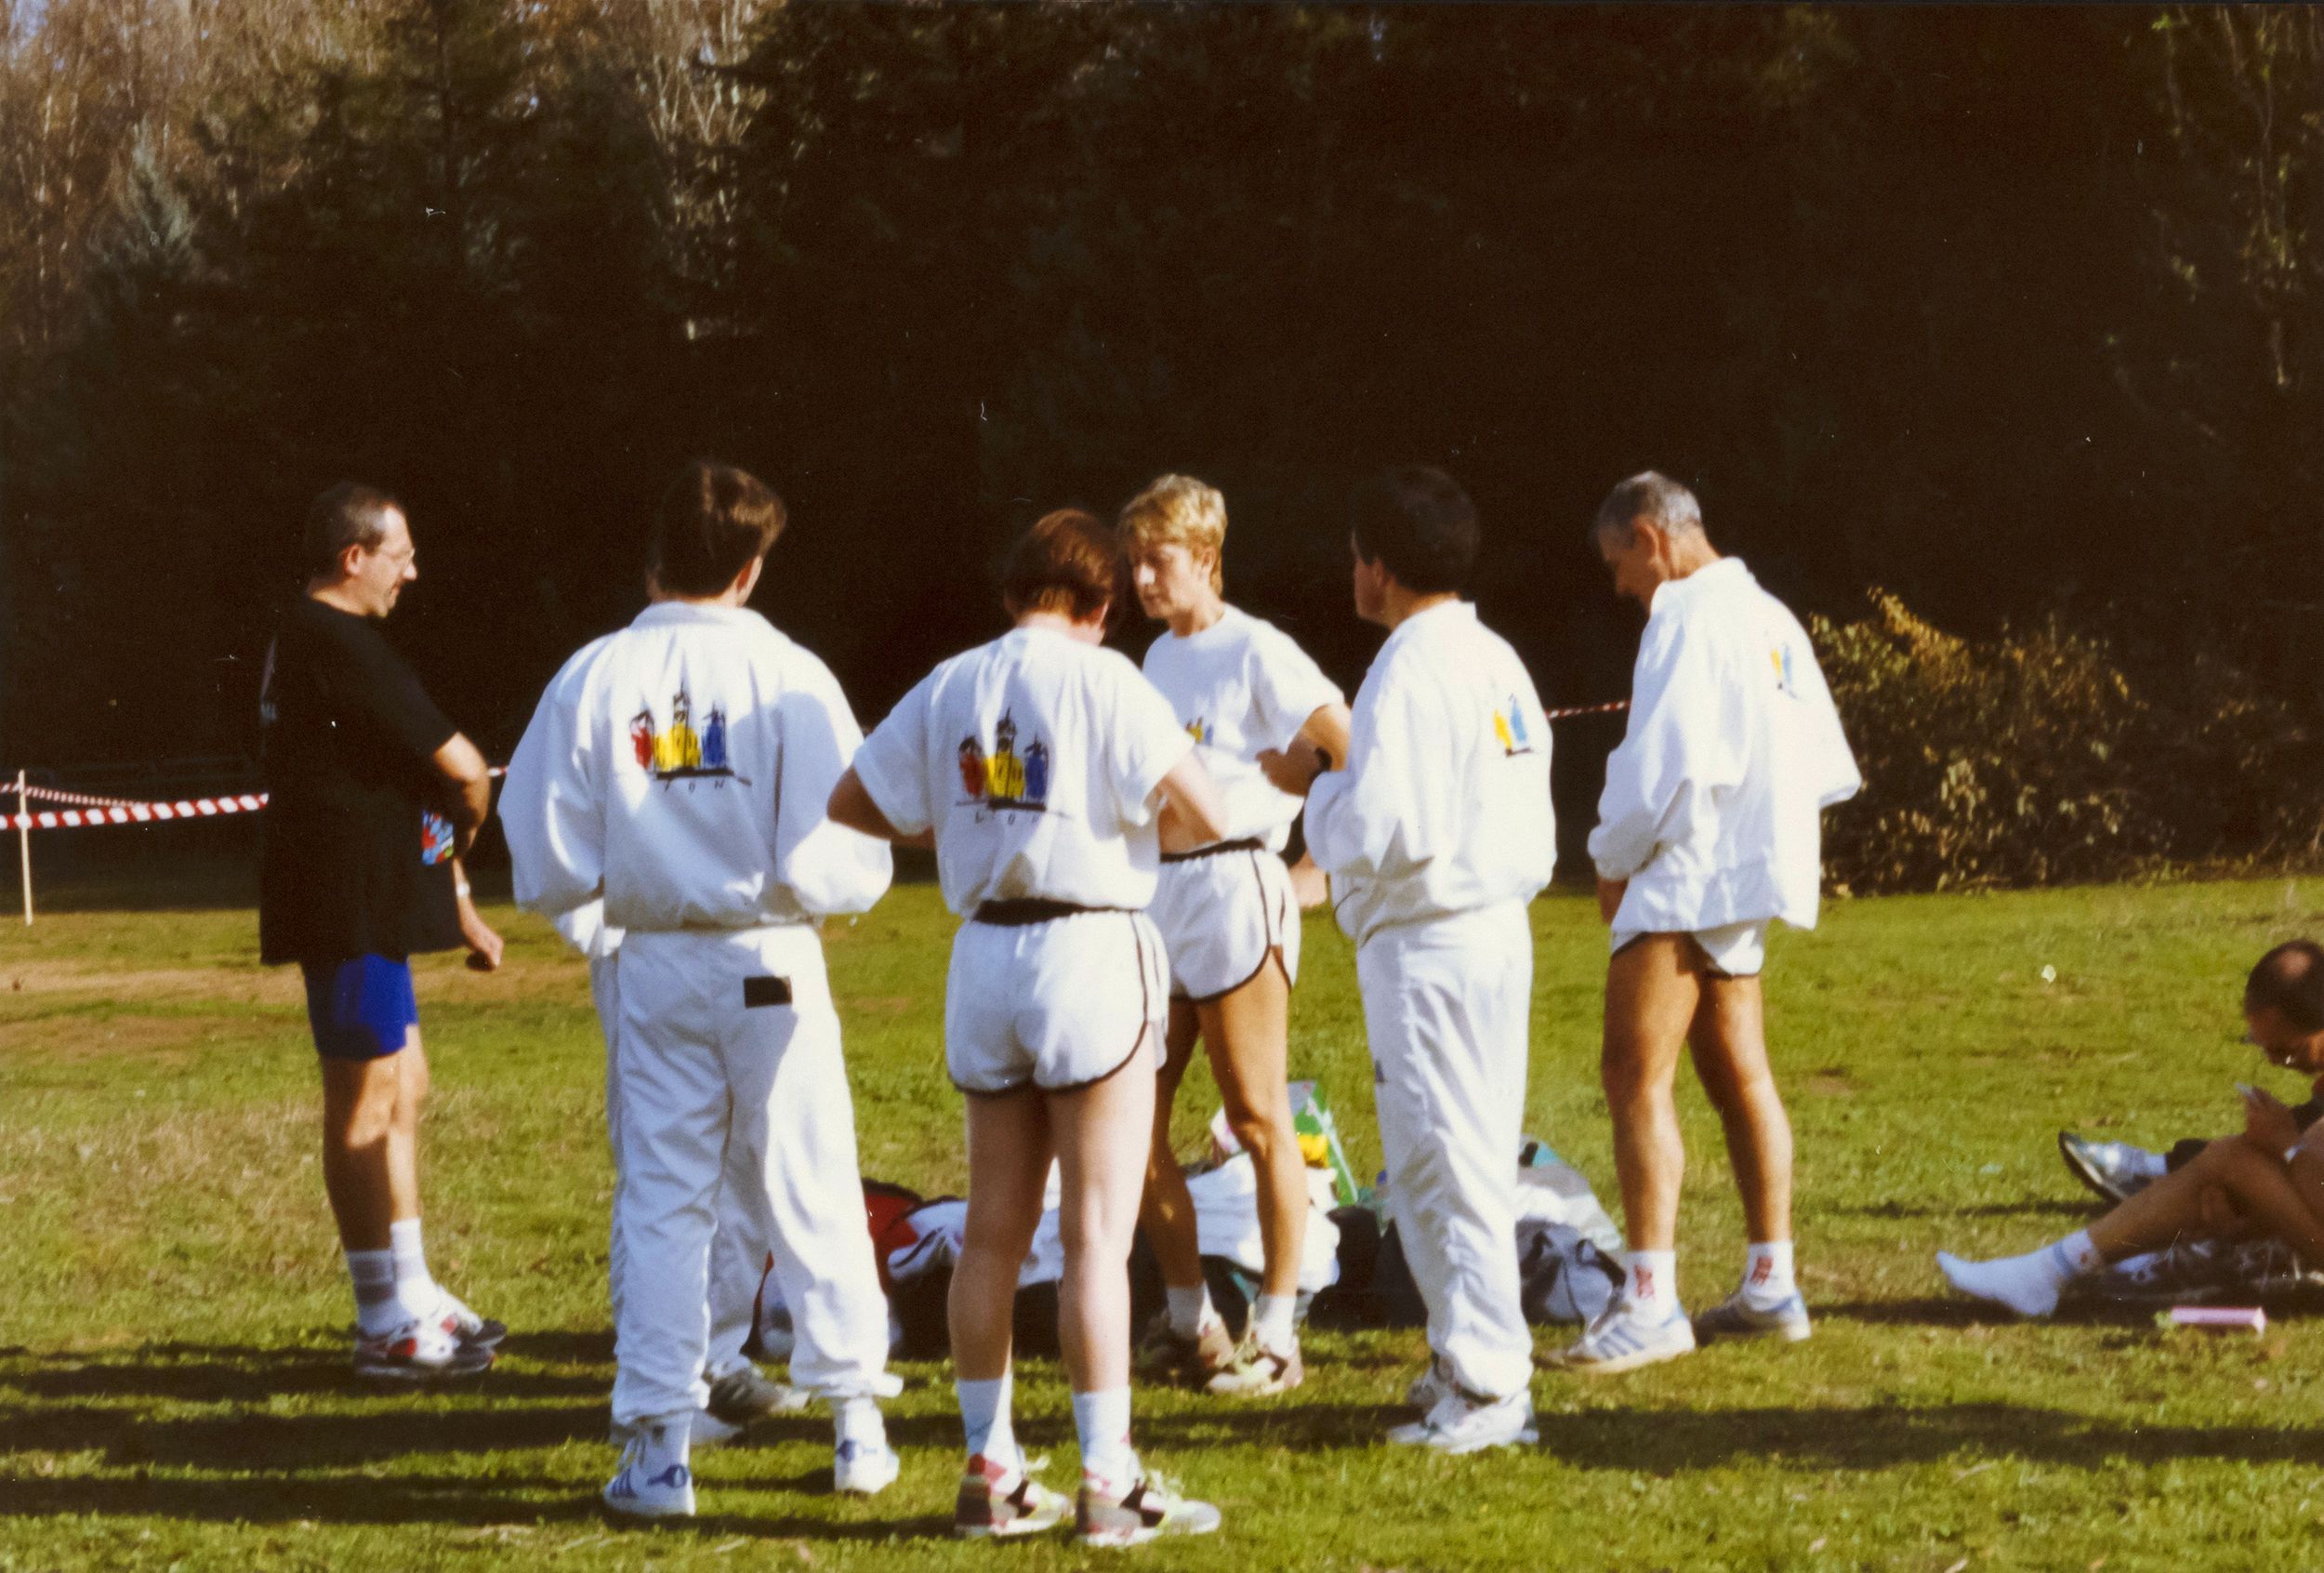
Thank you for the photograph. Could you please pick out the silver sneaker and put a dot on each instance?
(1621, 1340)
(743, 1395)
(2116, 1171)
(1736, 1317)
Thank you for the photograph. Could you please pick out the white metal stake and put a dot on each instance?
(24, 845)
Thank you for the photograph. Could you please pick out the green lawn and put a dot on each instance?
(172, 1364)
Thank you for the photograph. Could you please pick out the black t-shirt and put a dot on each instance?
(358, 855)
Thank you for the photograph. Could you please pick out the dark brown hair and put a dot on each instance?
(1068, 562)
(2289, 981)
(349, 514)
(1420, 524)
(714, 521)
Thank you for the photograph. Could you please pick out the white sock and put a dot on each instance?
(1652, 1281)
(1189, 1308)
(665, 1440)
(1271, 1319)
(377, 1310)
(2028, 1284)
(985, 1416)
(412, 1286)
(1102, 1421)
(1767, 1273)
(2077, 1256)
(857, 1420)
(2152, 1165)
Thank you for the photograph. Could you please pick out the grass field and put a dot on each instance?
(172, 1365)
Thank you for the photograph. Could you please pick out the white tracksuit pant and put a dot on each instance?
(1445, 1006)
(738, 1256)
(723, 1086)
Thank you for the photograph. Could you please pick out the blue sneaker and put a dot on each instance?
(653, 1480)
(1736, 1318)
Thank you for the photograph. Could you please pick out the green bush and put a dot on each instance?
(2035, 758)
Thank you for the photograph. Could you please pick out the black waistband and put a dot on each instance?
(1249, 843)
(1017, 914)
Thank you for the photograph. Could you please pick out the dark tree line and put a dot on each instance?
(2006, 311)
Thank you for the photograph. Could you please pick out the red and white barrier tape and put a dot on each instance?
(121, 810)
(133, 814)
(1606, 709)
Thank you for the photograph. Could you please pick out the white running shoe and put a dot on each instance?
(466, 1325)
(1736, 1318)
(1154, 1507)
(864, 1467)
(1461, 1423)
(419, 1351)
(996, 1499)
(1622, 1340)
(653, 1480)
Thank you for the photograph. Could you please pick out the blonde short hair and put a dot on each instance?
(1179, 510)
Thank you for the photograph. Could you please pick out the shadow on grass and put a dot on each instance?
(1882, 1436)
(2033, 1207)
(232, 1374)
(402, 1498)
(563, 1347)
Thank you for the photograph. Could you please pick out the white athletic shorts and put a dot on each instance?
(1738, 950)
(1055, 1005)
(1221, 916)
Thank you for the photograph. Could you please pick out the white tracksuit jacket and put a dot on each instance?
(680, 769)
(1444, 804)
(1712, 802)
(1436, 835)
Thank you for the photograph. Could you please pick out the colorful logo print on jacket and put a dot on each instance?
(1509, 725)
(435, 839)
(678, 752)
(1005, 778)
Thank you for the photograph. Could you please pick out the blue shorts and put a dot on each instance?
(360, 1010)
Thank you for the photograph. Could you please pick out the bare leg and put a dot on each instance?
(2283, 1201)
(370, 1141)
(1249, 1033)
(403, 1134)
(1101, 1156)
(1729, 1041)
(1652, 989)
(1167, 1210)
(1008, 1155)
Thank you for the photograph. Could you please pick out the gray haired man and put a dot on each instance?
(1707, 830)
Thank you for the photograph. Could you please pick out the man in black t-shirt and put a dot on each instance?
(374, 797)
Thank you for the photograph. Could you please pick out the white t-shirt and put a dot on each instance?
(680, 769)
(1034, 757)
(1443, 803)
(1241, 686)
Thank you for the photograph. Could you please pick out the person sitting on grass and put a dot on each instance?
(2269, 1180)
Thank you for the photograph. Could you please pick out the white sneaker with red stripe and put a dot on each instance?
(418, 1351)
